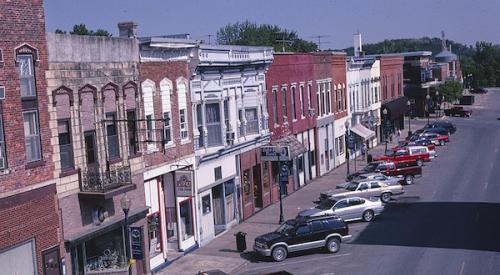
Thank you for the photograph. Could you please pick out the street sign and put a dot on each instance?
(183, 183)
(351, 141)
(136, 241)
(271, 153)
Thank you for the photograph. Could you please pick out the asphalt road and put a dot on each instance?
(448, 222)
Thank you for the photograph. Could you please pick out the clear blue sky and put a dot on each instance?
(465, 21)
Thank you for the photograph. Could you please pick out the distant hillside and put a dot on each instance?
(413, 44)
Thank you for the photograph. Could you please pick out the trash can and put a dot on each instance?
(369, 158)
(241, 243)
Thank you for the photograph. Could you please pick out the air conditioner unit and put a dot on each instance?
(99, 214)
(2, 92)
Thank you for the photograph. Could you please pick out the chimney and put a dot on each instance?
(357, 44)
(127, 29)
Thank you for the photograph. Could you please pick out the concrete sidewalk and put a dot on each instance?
(221, 252)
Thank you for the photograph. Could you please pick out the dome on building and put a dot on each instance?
(446, 57)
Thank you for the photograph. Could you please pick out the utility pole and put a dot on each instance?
(319, 40)
(283, 40)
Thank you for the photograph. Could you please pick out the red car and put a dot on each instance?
(404, 156)
(436, 138)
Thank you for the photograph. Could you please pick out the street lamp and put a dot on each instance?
(346, 124)
(408, 103)
(439, 104)
(428, 98)
(125, 203)
(384, 112)
(279, 148)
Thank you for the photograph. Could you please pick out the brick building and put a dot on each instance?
(29, 227)
(169, 156)
(96, 116)
(292, 120)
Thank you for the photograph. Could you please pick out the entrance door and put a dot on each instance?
(51, 264)
(257, 187)
(219, 213)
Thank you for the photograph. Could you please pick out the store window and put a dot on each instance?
(186, 221)
(247, 190)
(105, 252)
(205, 204)
(154, 234)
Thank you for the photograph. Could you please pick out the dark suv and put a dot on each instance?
(301, 234)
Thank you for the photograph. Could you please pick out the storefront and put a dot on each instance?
(396, 110)
(171, 214)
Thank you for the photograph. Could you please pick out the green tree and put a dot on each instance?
(251, 34)
(451, 91)
(60, 31)
(81, 29)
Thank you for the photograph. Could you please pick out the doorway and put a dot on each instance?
(257, 187)
(219, 215)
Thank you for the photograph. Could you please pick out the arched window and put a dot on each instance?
(183, 114)
(166, 93)
(148, 88)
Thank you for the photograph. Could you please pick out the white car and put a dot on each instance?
(413, 150)
(349, 209)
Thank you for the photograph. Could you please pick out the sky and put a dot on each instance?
(464, 21)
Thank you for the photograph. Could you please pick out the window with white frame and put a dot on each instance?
(181, 94)
(166, 93)
(294, 103)
(309, 98)
(147, 94)
(329, 97)
(302, 107)
(26, 75)
(275, 106)
(283, 105)
(3, 158)
(32, 136)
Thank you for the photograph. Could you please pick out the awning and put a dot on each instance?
(296, 148)
(362, 131)
(396, 108)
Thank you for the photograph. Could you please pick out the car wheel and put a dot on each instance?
(368, 215)
(279, 253)
(409, 179)
(333, 245)
(420, 162)
(385, 197)
(441, 142)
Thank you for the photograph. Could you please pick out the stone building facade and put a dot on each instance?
(96, 119)
(29, 225)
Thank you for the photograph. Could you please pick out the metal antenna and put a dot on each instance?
(443, 41)
(319, 40)
(283, 40)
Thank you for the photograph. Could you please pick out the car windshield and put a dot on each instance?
(352, 186)
(286, 228)
(326, 204)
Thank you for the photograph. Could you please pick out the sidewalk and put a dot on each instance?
(221, 252)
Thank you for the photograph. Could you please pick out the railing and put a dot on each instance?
(95, 181)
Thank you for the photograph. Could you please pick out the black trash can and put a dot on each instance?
(241, 242)
(369, 158)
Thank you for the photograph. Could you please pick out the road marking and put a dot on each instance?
(298, 262)
(462, 268)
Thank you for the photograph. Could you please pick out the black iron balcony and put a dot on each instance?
(106, 184)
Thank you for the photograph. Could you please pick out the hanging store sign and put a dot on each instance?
(136, 240)
(275, 153)
(183, 183)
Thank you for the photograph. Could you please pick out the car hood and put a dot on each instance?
(269, 237)
(342, 185)
(310, 212)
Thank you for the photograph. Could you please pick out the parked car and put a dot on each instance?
(422, 141)
(404, 171)
(349, 209)
(375, 176)
(437, 139)
(441, 131)
(404, 155)
(415, 149)
(458, 111)
(479, 91)
(365, 189)
(301, 234)
(443, 124)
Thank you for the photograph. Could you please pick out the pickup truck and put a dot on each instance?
(404, 155)
(404, 170)
(365, 189)
(458, 111)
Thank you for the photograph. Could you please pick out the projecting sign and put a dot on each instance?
(136, 240)
(183, 183)
(272, 153)
(351, 141)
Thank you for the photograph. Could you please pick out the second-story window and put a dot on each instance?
(26, 75)
(283, 104)
(112, 136)
(302, 102)
(65, 145)
(275, 106)
(32, 136)
(213, 124)
(252, 121)
(132, 132)
(181, 94)
(149, 128)
(183, 124)
(329, 97)
(167, 128)
(3, 158)
(166, 93)
(309, 97)
(294, 103)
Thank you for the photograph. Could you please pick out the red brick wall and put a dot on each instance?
(391, 68)
(22, 22)
(156, 72)
(285, 70)
(339, 76)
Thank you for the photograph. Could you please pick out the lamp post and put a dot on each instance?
(346, 124)
(428, 98)
(384, 112)
(125, 203)
(408, 103)
(439, 104)
(279, 148)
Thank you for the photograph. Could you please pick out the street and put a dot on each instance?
(446, 223)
